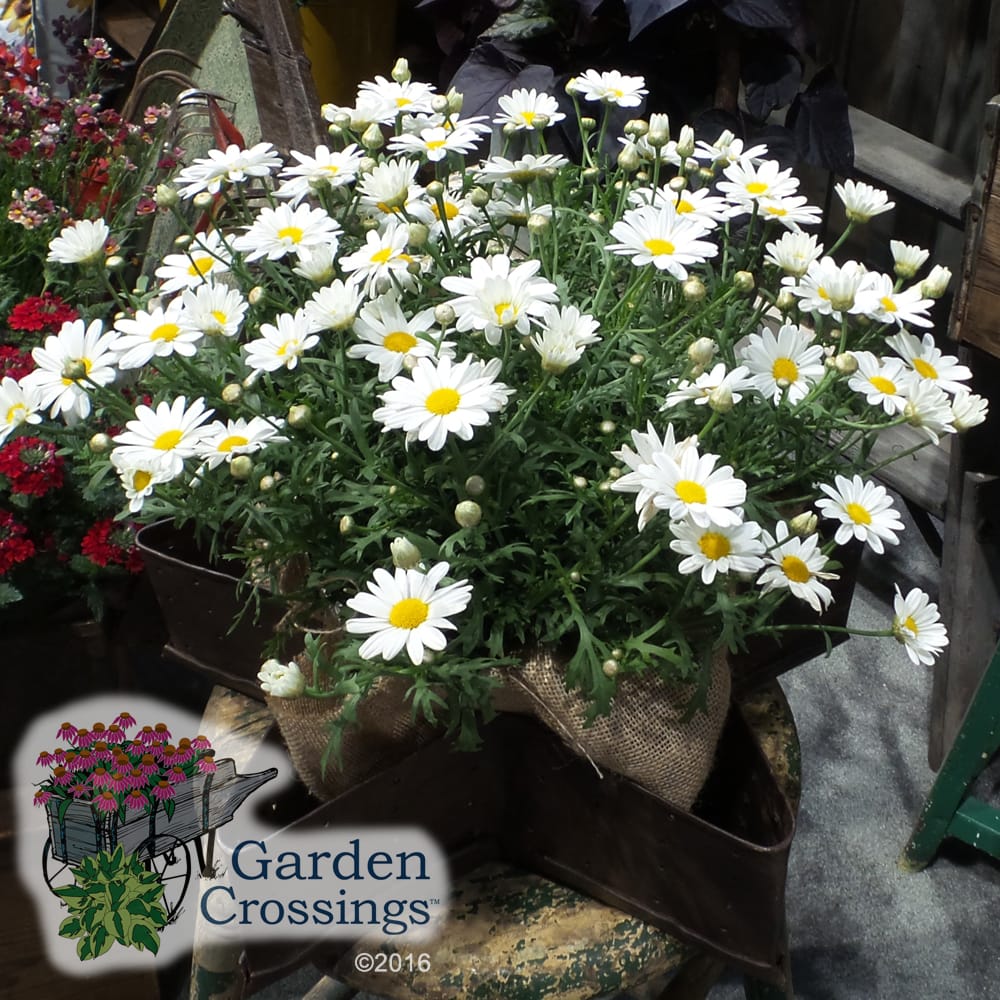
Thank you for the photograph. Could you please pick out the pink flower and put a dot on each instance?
(148, 765)
(207, 765)
(176, 775)
(45, 758)
(125, 720)
(67, 732)
(137, 778)
(98, 731)
(61, 776)
(59, 755)
(83, 760)
(118, 782)
(100, 778)
(80, 790)
(106, 802)
(83, 738)
(136, 800)
(147, 736)
(115, 733)
(201, 742)
(161, 732)
(42, 796)
(100, 751)
(163, 790)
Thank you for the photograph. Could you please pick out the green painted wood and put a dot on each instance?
(977, 740)
(977, 824)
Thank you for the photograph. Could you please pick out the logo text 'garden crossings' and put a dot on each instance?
(389, 880)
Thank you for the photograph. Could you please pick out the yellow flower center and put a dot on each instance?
(220, 317)
(288, 347)
(659, 247)
(528, 117)
(910, 624)
(201, 266)
(87, 365)
(884, 385)
(858, 514)
(924, 368)
(756, 187)
(332, 168)
(168, 440)
(399, 341)
(684, 206)
(233, 441)
(502, 309)
(450, 210)
(409, 613)
(714, 546)
(443, 401)
(795, 569)
(823, 293)
(775, 210)
(141, 479)
(435, 143)
(688, 491)
(293, 233)
(165, 331)
(16, 414)
(888, 305)
(381, 256)
(401, 102)
(616, 93)
(785, 368)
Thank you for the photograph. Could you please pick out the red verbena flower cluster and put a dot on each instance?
(111, 543)
(14, 363)
(15, 546)
(45, 312)
(31, 466)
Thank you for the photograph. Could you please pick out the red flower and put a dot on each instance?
(15, 363)
(14, 546)
(110, 543)
(32, 466)
(41, 312)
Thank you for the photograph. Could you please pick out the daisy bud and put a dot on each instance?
(435, 190)
(494, 247)
(691, 166)
(255, 295)
(475, 486)
(444, 315)
(540, 122)
(642, 176)
(509, 130)
(658, 137)
(803, 524)
(588, 124)
(936, 283)
(629, 159)
(614, 472)
(372, 137)
(610, 667)
(369, 225)
(579, 482)
(575, 576)
(410, 362)
(346, 524)
(702, 351)
(115, 263)
(677, 184)
(203, 200)
(299, 415)
(74, 370)
(785, 301)
(401, 71)
(693, 289)
(607, 427)
(618, 186)
(342, 119)
(241, 467)
(405, 555)
(232, 393)
(393, 490)
(617, 653)
(418, 234)
(182, 242)
(590, 174)
(537, 223)
(846, 363)
(367, 164)
(685, 142)
(637, 359)
(604, 486)
(468, 513)
(335, 132)
(166, 195)
(455, 100)
(281, 680)
(720, 399)
(439, 104)
(266, 484)
(479, 197)
(705, 174)
(743, 281)
(334, 455)
(636, 128)
(100, 443)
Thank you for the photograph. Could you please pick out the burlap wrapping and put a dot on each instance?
(645, 737)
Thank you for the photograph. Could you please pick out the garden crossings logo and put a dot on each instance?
(137, 841)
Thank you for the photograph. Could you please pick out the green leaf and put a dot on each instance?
(85, 948)
(146, 938)
(71, 928)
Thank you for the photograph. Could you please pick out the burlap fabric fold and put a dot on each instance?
(645, 737)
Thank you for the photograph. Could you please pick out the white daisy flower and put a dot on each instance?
(231, 165)
(523, 109)
(968, 410)
(746, 182)
(728, 149)
(279, 231)
(281, 680)
(509, 206)
(221, 441)
(647, 445)
(367, 109)
(212, 310)
(441, 399)
(454, 210)
(281, 343)
(711, 386)
(829, 288)
(936, 283)
(792, 211)
(796, 564)
(140, 473)
(523, 170)
(390, 186)
(66, 363)
(907, 258)
(881, 302)
(389, 339)
(81, 242)
(19, 404)
(388, 98)
(917, 625)
(168, 435)
(883, 381)
(335, 306)
(927, 361)
(794, 252)
(564, 335)
(206, 257)
(928, 408)
(383, 256)
(496, 297)
(690, 486)
(865, 512)
(862, 201)
(325, 170)
(701, 206)
(609, 87)
(661, 237)
(714, 549)
(786, 366)
(435, 143)
(407, 610)
(156, 334)
(316, 264)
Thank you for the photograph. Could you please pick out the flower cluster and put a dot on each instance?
(117, 773)
(434, 379)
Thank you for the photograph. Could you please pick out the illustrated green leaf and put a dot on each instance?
(70, 928)
(146, 938)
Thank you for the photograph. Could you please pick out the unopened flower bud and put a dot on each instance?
(803, 524)
(590, 173)
(405, 555)
(636, 127)
(629, 159)
(579, 482)
(182, 242)
(346, 524)
(232, 393)
(455, 100)
(74, 369)
(100, 443)
(115, 262)
(702, 351)
(475, 486)
(537, 223)
(435, 190)
(685, 142)
(720, 399)
(785, 300)
(367, 164)
(299, 415)
(369, 225)
(335, 131)
(637, 359)
(587, 124)
(604, 485)
(607, 427)
(418, 234)
(166, 195)
(846, 363)
(203, 200)
(410, 362)
(241, 467)
(444, 315)
(479, 197)
(575, 576)
(342, 119)
(614, 472)
(255, 295)
(936, 283)
(677, 184)
(642, 176)
(439, 104)
(540, 121)
(266, 484)
(372, 137)
(693, 289)
(494, 247)
(468, 513)
(510, 130)
(401, 71)
(610, 667)
(658, 137)
(743, 281)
